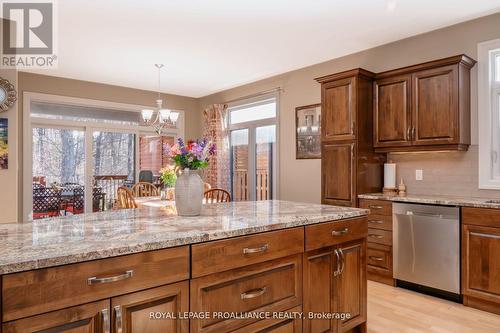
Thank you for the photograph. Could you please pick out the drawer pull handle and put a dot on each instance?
(375, 236)
(376, 221)
(340, 232)
(376, 207)
(124, 276)
(254, 293)
(105, 321)
(262, 248)
(376, 258)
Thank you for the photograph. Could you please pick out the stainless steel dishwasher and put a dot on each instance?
(427, 248)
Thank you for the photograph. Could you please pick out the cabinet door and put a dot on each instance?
(350, 285)
(338, 110)
(392, 117)
(131, 313)
(88, 318)
(319, 267)
(481, 264)
(435, 106)
(338, 170)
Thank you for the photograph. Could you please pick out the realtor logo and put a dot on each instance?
(28, 34)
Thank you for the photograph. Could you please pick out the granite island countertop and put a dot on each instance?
(435, 200)
(72, 239)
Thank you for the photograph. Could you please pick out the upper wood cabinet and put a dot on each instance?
(392, 116)
(423, 107)
(338, 118)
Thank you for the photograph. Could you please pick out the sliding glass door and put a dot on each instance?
(76, 156)
(58, 162)
(113, 155)
(253, 149)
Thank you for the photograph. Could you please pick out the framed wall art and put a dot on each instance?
(308, 131)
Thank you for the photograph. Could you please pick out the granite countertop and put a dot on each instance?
(65, 240)
(435, 200)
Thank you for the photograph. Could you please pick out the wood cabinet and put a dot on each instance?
(88, 318)
(480, 258)
(265, 274)
(338, 99)
(423, 107)
(335, 285)
(392, 114)
(270, 286)
(131, 313)
(379, 260)
(349, 165)
(338, 183)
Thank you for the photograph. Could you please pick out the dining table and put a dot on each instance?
(155, 201)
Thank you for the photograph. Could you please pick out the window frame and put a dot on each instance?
(489, 115)
(252, 126)
(88, 127)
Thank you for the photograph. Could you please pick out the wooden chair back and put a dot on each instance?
(217, 195)
(143, 189)
(125, 198)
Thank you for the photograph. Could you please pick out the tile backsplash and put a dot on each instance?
(444, 173)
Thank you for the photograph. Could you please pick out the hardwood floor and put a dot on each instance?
(397, 310)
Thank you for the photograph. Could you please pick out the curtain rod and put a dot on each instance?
(277, 89)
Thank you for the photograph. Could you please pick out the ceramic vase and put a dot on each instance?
(189, 193)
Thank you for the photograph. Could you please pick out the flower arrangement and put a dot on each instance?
(168, 176)
(195, 155)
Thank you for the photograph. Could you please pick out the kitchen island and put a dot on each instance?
(239, 267)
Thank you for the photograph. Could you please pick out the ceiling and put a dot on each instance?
(212, 45)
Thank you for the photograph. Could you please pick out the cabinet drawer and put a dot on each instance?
(377, 207)
(29, 293)
(380, 257)
(380, 222)
(481, 216)
(218, 256)
(271, 286)
(380, 236)
(331, 233)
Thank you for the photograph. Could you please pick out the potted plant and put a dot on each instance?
(168, 177)
(189, 158)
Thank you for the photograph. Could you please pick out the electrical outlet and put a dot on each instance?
(419, 174)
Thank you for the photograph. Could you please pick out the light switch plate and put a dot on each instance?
(419, 174)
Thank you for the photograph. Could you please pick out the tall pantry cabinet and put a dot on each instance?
(349, 165)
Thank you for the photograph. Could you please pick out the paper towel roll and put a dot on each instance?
(390, 175)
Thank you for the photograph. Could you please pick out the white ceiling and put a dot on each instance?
(212, 45)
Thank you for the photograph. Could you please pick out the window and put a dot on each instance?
(489, 114)
(252, 124)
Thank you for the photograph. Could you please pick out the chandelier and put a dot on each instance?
(163, 117)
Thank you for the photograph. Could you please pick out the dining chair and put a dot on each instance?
(125, 198)
(217, 195)
(143, 189)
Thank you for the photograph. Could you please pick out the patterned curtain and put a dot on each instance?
(215, 129)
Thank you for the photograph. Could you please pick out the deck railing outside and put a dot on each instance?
(240, 185)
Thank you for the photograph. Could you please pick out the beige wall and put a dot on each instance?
(29, 82)
(9, 177)
(300, 179)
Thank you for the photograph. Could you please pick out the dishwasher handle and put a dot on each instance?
(433, 215)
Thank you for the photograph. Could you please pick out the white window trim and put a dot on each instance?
(88, 127)
(251, 125)
(488, 90)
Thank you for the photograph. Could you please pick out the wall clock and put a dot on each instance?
(8, 94)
